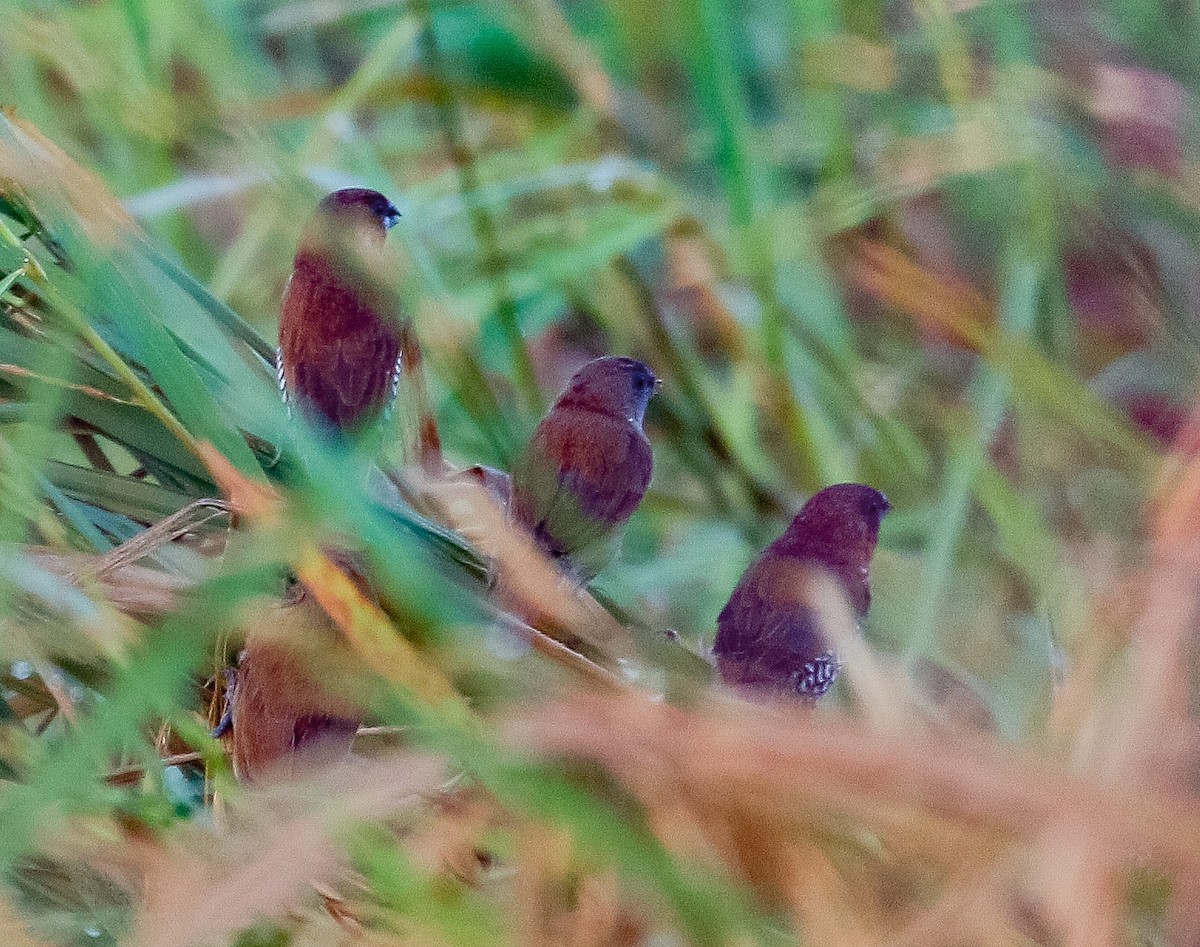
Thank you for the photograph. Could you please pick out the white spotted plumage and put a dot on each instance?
(282, 381)
(396, 373)
(817, 676)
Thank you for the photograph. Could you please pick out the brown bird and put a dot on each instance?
(339, 355)
(588, 465)
(769, 637)
(293, 703)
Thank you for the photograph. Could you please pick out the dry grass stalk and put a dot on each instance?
(778, 771)
(138, 591)
(528, 582)
(203, 885)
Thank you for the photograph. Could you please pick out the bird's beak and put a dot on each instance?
(391, 218)
(657, 383)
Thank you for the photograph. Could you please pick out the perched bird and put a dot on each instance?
(769, 636)
(587, 465)
(293, 702)
(339, 355)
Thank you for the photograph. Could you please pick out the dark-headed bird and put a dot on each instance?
(769, 636)
(339, 347)
(588, 465)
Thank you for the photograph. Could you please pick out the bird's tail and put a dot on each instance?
(428, 440)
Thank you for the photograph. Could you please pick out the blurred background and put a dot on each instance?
(948, 248)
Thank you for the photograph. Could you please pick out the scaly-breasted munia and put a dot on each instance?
(294, 701)
(769, 635)
(588, 464)
(339, 356)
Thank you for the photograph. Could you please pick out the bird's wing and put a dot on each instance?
(364, 370)
(339, 358)
(581, 477)
(769, 621)
(295, 685)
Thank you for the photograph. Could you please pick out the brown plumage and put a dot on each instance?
(339, 345)
(769, 637)
(343, 343)
(293, 703)
(588, 464)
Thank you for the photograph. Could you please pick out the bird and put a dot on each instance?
(294, 700)
(339, 356)
(769, 637)
(587, 465)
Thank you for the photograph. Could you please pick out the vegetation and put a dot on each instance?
(948, 249)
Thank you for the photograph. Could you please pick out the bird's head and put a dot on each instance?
(613, 385)
(349, 214)
(360, 204)
(847, 515)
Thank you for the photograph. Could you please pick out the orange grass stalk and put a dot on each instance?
(786, 762)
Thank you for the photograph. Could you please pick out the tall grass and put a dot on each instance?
(949, 249)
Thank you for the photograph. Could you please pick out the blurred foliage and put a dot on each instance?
(946, 248)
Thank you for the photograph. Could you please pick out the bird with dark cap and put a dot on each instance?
(587, 465)
(770, 638)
